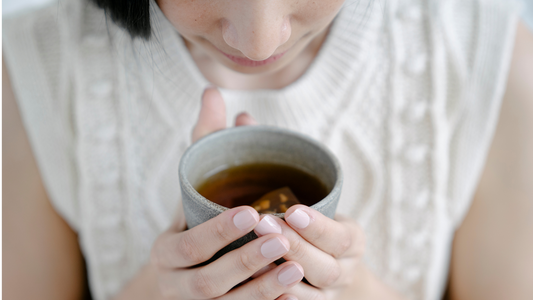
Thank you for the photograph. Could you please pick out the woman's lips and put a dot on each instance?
(243, 61)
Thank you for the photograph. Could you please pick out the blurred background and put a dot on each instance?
(10, 6)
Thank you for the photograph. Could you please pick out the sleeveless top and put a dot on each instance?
(405, 93)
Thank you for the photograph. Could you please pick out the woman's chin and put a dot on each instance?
(254, 69)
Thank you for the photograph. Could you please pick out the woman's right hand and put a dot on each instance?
(176, 252)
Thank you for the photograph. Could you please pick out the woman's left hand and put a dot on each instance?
(330, 252)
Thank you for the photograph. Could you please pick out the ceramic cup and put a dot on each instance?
(253, 144)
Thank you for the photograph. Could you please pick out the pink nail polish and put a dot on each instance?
(298, 219)
(273, 248)
(267, 225)
(290, 275)
(245, 219)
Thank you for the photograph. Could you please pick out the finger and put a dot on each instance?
(264, 270)
(287, 297)
(194, 246)
(218, 277)
(212, 114)
(305, 291)
(244, 119)
(321, 269)
(337, 238)
(270, 285)
(261, 271)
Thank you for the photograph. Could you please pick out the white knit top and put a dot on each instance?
(405, 93)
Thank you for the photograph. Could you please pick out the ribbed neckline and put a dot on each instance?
(318, 90)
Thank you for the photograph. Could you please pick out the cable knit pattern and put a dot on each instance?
(405, 92)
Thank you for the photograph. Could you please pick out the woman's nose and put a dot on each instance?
(257, 31)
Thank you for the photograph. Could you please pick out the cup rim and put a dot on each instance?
(185, 184)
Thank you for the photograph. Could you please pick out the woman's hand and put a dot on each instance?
(328, 250)
(176, 252)
(171, 272)
(330, 253)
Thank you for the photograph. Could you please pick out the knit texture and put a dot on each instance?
(405, 93)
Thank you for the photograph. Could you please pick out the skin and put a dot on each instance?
(255, 30)
(491, 256)
(41, 255)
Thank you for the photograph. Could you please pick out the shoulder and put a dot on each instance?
(510, 160)
(51, 30)
(54, 15)
(498, 228)
(40, 49)
(32, 222)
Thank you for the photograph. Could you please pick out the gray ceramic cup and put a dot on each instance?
(253, 144)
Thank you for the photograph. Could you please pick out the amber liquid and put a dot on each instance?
(242, 185)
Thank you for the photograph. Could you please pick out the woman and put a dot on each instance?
(407, 94)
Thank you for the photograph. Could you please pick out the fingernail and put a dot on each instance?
(245, 219)
(290, 275)
(290, 298)
(298, 219)
(267, 225)
(208, 87)
(273, 248)
(249, 119)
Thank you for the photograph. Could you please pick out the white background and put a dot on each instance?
(9, 6)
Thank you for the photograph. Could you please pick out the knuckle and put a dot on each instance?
(297, 250)
(348, 279)
(343, 246)
(246, 264)
(219, 233)
(318, 232)
(263, 291)
(159, 253)
(187, 248)
(316, 295)
(320, 296)
(155, 258)
(203, 285)
(331, 275)
(167, 288)
(359, 239)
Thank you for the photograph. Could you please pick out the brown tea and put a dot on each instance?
(243, 185)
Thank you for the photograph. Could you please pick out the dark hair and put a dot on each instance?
(133, 15)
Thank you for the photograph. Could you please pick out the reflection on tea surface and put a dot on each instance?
(243, 185)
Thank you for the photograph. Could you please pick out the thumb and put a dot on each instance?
(244, 119)
(212, 114)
